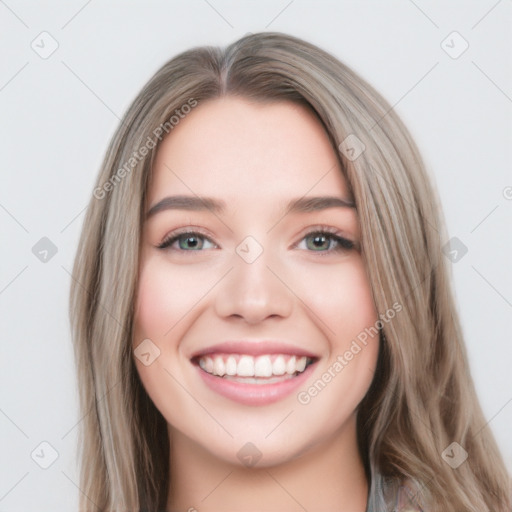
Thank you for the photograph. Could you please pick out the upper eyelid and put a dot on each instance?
(186, 231)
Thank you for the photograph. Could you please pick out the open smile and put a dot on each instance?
(253, 379)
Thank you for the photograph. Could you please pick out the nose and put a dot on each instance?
(254, 290)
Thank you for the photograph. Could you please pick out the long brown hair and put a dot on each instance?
(422, 399)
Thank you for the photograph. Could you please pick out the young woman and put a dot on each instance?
(262, 313)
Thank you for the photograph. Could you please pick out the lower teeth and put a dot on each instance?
(260, 380)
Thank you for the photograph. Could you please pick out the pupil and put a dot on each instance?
(191, 241)
(319, 240)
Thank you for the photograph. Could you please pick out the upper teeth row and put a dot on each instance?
(248, 366)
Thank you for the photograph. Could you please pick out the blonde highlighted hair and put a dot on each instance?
(422, 398)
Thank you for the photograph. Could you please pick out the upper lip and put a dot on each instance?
(254, 348)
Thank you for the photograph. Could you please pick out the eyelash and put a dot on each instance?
(343, 244)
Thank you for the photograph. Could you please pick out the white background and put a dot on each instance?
(57, 115)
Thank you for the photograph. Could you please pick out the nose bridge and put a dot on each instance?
(252, 290)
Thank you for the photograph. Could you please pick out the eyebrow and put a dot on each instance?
(196, 203)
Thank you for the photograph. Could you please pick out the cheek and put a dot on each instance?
(345, 374)
(341, 298)
(347, 310)
(164, 299)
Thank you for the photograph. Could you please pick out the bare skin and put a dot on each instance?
(312, 293)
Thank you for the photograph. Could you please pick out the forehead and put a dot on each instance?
(245, 151)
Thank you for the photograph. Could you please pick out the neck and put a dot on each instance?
(328, 476)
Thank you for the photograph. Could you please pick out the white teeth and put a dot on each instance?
(290, 365)
(218, 366)
(231, 366)
(263, 367)
(245, 367)
(258, 380)
(249, 366)
(279, 366)
(301, 364)
(209, 364)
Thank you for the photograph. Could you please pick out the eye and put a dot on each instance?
(325, 240)
(187, 241)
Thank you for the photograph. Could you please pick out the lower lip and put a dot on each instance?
(254, 394)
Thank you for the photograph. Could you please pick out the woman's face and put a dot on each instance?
(243, 282)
